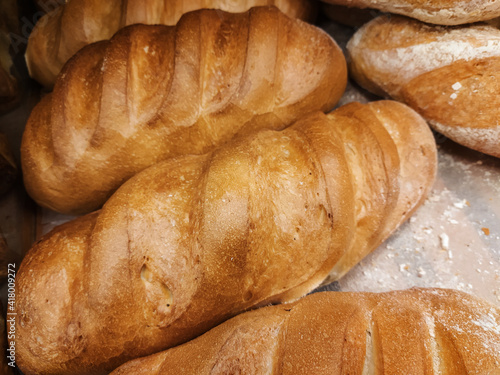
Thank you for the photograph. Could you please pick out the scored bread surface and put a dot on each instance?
(194, 240)
(415, 331)
(58, 35)
(156, 92)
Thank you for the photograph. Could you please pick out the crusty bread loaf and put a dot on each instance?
(194, 240)
(450, 75)
(8, 167)
(415, 331)
(441, 12)
(61, 33)
(155, 92)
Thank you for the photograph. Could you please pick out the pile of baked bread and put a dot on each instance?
(213, 177)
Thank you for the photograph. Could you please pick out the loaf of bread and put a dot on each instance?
(415, 331)
(60, 34)
(156, 92)
(8, 167)
(194, 240)
(450, 75)
(441, 12)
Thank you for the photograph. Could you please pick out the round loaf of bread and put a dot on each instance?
(449, 75)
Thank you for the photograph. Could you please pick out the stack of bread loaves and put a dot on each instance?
(226, 188)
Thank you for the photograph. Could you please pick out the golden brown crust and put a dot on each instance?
(156, 92)
(448, 75)
(425, 331)
(69, 27)
(441, 12)
(194, 240)
(404, 140)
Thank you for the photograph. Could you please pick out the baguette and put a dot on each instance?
(194, 240)
(441, 12)
(450, 75)
(156, 92)
(61, 33)
(415, 331)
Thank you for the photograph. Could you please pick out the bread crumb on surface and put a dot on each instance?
(445, 241)
(421, 272)
(460, 204)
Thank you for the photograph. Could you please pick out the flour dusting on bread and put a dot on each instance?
(408, 62)
(475, 138)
